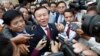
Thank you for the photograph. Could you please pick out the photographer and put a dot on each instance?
(90, 27)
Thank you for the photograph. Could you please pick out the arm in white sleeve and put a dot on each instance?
(95, 46)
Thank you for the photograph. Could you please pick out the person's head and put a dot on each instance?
(25, 13)
(92, 10)
(61, 6)
(1, 12)
(45, 4)
(69, 15)
(33, 7)
(42, 16)
(6, 46)
(6, 4)
(11, 5)
(14, 20)
(53, 6)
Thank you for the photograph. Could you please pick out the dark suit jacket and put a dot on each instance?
(39, 33)
(10, 34)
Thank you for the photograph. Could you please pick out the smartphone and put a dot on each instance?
(44, 37)
(31, 35)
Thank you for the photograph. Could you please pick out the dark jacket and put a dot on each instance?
(39, 33)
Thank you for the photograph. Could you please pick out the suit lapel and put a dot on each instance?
(41, 30)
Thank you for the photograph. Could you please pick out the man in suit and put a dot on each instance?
(70, 27)
(61, 6)
(14, 26)
(52, 13)
(43, 29)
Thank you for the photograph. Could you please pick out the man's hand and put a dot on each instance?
(1, 27)
(23, 49)
(60, 27)
(89, 53)
(41, 44)
(79, 47)
(82, 34)
(21, 38)
(54, 47)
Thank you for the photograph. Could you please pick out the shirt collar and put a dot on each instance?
(44, 27)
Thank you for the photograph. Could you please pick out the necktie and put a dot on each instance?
(68, 30)
(48, 33)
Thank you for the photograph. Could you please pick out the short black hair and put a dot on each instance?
(6, 47)
(69, 10)
(44, 2)
(39, 8)
(10, 15)
(91, 8)
(61, 2)
(52, 3)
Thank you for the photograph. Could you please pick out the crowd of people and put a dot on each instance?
(30, 29)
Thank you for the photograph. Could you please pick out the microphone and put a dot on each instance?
(61, 37)
(74, 26)
(44, 37)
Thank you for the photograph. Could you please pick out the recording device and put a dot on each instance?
(91, 26)
(61, 39)
(66, 48)
(44, 37)
(31, 35)
(74, 26)
(78, 5)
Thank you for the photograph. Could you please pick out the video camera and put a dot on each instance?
(91, 26)
(77, 5)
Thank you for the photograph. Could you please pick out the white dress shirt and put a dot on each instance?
(52, 17)
(72, 33)
(60, 19)
(44, 29)
(94, 45)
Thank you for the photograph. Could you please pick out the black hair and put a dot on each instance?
(91, 8)
(44, 2)
(6, 47)
(52, 3)
(69, 10)
(39, 8)
(10, 15)
(61, 2)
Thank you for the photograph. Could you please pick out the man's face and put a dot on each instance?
(24, 11)
(1, 13)
(69, 17)
(61, 8)
(53, 7)
(42, 17)
(92, 12)
(46, 5)
(32, 9)
(6, 4)
(17, 24)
